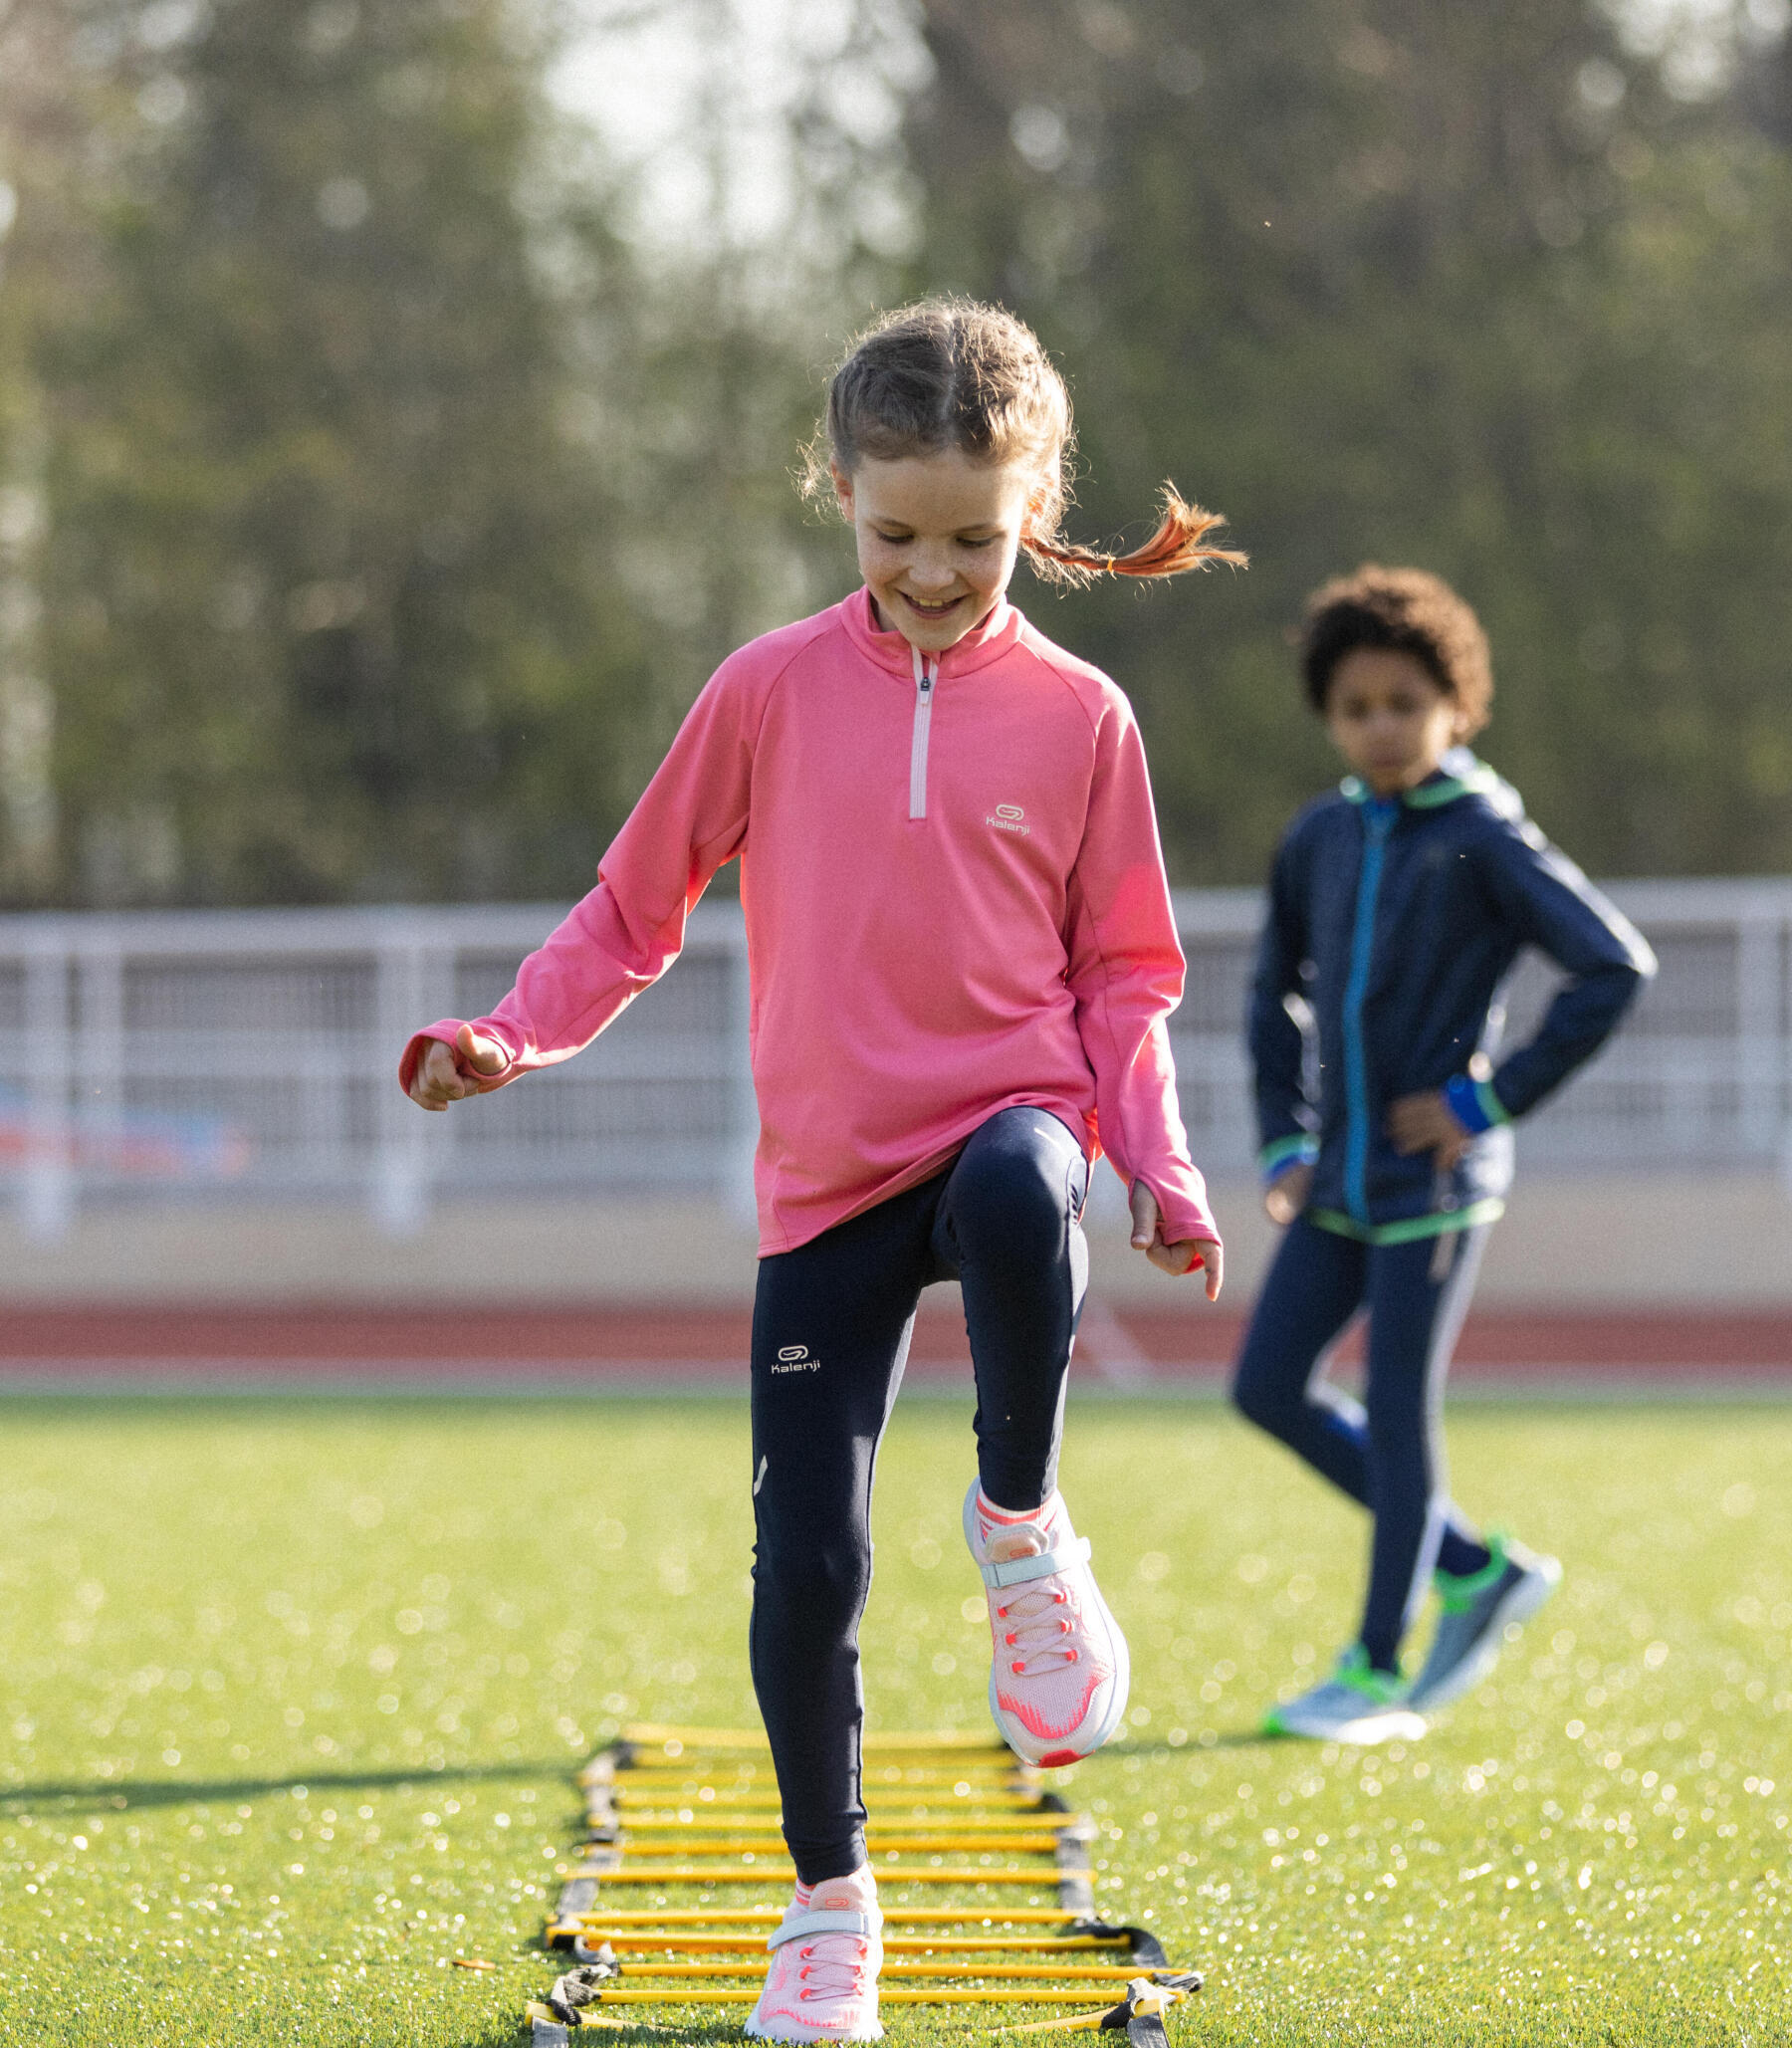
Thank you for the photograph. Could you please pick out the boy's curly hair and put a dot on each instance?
(1409, 611)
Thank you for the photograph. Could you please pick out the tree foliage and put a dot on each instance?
(325, 597)
(378, 482)
(1452, 284)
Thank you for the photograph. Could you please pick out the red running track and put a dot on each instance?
(642, 1342)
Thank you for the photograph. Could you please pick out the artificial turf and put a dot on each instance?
(290, 1695)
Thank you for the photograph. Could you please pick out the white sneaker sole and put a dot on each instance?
(1094, 1729)
(865, 2030)
(1364, 1731)
(1523, 1601)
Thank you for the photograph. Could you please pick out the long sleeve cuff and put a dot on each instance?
(1301, 1148)
(1183, 1212)
(1473, 1104)
(446, 1030)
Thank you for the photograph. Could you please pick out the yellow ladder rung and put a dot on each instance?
(772, 1844)
(970, 1741)
(621, 1792)
(948, 1823)
(888, 1777)
(647, 1942)
(975, 1816)
(1003, 1972)
(678, 1874)
(767, 1915)
(897, 1994)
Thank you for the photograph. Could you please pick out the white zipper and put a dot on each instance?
(924, 678)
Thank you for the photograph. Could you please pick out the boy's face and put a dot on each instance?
(1389, 719)
(937, 539)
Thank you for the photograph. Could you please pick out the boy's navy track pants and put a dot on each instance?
(1388, 1451)
(832, 1323)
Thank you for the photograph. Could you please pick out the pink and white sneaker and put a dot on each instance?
(825, 1957)
(1060, 1672)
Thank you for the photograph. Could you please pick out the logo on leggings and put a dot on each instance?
(795, 1358)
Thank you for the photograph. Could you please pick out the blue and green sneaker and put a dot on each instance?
(1478, 1611)
(1357, 1703)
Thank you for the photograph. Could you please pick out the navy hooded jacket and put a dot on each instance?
(1397, 920)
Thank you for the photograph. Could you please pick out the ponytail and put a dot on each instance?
(953, 374)
(1172, 551)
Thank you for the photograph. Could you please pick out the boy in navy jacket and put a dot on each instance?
(1397, 907)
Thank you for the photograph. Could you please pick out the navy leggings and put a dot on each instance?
(1389, 1453)
(831, 1336)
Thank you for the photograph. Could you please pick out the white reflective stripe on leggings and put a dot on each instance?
(1446, 1325)
(926, 676)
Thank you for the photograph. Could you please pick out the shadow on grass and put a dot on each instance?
(121, 1794)
(1227, 1739)
(691, 2030)
(145, 1792)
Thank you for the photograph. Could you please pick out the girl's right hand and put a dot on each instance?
(1287, 1195)
(446, 1074)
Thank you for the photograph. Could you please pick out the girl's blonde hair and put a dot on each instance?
(955, 374)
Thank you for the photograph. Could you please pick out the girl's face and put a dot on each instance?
(937, 539)
(1389, 719)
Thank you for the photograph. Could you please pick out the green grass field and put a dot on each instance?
(292, 1696)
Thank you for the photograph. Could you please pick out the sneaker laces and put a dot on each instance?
(1033, 1616)
(834, 1964)
(831, 1977)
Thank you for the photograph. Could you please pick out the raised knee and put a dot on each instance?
(1011, 1199)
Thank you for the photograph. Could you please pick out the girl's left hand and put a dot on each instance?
(1148, 1236)
(1426, 1123)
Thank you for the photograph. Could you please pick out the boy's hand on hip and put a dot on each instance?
(1148, 1236)
(446, 1074)
(1426, 1123)
(1287, 1195)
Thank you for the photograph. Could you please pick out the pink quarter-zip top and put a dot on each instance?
(955, 904)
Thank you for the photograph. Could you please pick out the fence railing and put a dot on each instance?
(231, 1055)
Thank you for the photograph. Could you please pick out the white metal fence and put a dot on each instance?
(235, 1055)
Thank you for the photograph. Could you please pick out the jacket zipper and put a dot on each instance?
(926, 676)
(1377, 824)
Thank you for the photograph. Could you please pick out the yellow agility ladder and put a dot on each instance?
(696, 1811)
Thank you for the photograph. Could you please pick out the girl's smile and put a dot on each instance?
(937, 539)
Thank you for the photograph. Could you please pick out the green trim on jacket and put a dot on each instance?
(1480, 781)
(1409, 1228)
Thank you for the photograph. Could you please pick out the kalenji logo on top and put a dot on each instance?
(795, 1358)
(1008, 817)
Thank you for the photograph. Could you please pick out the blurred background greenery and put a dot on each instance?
(398, 398)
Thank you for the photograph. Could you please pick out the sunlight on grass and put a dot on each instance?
(291, 1697)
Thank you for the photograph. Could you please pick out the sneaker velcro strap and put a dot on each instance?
(797, 1926)
(1019, 1571)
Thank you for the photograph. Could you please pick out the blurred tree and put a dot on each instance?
(1461, 285)
(783, 146)
(49, 126)
(398, 484)
(329, 610)
(381, 476)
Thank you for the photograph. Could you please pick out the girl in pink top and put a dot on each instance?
(963, 959)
